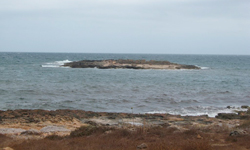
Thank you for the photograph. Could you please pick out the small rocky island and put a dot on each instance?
(128, 64)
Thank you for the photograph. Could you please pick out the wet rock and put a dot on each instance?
(227, 116)
(188, 67)
(51, 129)
(142, 146)
(244, 106)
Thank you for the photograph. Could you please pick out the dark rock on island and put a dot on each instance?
(128, 64)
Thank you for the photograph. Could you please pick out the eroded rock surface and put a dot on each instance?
(41, 123)
(53, 129)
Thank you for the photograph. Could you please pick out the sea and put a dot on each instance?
(38, 81)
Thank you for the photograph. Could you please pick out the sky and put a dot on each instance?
(126, 26)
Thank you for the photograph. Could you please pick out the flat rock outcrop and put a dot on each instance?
(41, 123)
(127, 64)
(30, 128)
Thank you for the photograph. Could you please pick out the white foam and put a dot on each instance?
(56, 64)
(202, 68)
(156, 112)
(211, 112)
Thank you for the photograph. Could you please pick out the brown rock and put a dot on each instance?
(199, 136)
(129, 64)
(175, 119)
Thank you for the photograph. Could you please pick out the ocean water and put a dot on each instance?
(37, 81)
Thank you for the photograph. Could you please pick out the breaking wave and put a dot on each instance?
(198, 110)
(202, 68)
(205, 68)
(55, 64)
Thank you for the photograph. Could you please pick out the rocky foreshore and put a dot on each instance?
(39, 124)
(21, 121)
(127, 64)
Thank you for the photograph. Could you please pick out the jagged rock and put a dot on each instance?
(128, 64)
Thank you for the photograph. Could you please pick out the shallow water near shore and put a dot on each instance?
(36, 81)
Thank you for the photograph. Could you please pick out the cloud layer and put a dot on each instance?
(126, 26)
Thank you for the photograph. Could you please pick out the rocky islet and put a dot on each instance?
(128, 64)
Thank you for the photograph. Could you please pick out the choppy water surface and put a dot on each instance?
(36, 81)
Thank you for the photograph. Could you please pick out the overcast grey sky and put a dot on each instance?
(126, 26)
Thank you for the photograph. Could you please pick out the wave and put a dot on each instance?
(156, 112)
(202, 68)
(55, 64)
(197, 111)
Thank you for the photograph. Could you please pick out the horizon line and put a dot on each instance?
(123, 53)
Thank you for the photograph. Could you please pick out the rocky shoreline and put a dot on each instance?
(127, 64)
(39, 124)
(46, 121)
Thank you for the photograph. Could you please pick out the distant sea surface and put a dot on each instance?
(36, 81)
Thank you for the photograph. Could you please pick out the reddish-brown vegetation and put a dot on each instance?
(156, 138)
